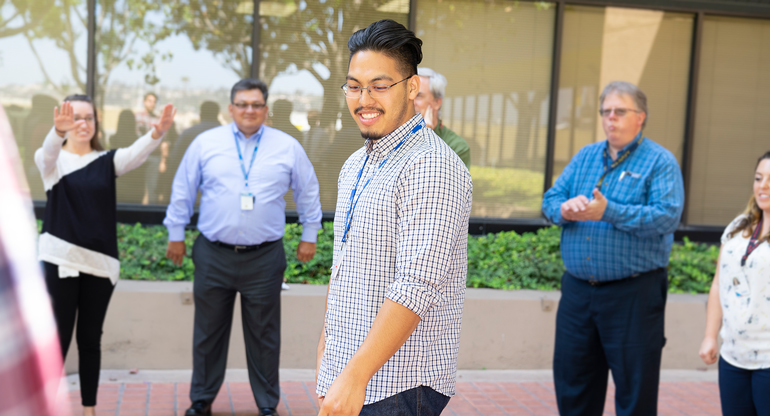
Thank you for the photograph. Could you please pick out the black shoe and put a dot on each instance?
(267, 411)
(199, 408)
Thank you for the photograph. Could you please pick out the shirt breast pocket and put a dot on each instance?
(632, 188)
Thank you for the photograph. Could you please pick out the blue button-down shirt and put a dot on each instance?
(211, 165)
(645, 198)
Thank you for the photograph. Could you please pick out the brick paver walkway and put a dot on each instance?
(298, 399)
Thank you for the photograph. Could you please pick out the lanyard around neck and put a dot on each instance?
(754, 242)
(609, 166)
(253, 155)
(353, 200)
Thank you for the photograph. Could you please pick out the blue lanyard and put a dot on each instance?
(253, 155)
(353, 203)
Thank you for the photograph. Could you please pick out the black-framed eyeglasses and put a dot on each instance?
(620, 112)
(253, 106)
(375, 90)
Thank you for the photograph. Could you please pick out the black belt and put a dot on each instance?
(243, 249)
(596, 283)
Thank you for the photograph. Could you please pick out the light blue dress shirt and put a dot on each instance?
(211, 166)
(645, 199)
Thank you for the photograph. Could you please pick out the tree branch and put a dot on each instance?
(42, 66)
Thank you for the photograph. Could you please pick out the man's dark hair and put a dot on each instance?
(392, 39)
(149, 94)
(248, 84)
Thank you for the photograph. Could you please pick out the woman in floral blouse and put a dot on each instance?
(739, 303)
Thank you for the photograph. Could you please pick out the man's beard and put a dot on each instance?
(367, 136)
(377, 136)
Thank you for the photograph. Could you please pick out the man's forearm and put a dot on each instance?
(391, 328)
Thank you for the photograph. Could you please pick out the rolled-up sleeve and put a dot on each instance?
(432, 199)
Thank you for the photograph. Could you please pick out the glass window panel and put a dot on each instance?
(43, 48)
(731, 121)
(496, 56)
(168, 49)
(648, 48)
(304, 60)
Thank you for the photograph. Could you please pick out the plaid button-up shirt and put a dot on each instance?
(407, 243)
(645, 199)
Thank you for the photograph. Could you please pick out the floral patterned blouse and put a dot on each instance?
(744, 292)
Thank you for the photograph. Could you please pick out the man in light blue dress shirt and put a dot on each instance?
(242, 170)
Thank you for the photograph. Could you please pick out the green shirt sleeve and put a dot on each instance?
(457, 143)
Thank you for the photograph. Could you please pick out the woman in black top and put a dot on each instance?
(78, 245)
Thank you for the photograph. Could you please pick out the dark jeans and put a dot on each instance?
(86, 298)
(616, 327)
(743, 392)
(419, 401)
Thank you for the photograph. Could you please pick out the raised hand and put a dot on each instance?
(165, 122)
(64, 119)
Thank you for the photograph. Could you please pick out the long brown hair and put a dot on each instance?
(95, 145)
(753, 214)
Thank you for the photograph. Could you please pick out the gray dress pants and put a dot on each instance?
(220, 273)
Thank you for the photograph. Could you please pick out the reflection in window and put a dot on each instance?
(496, 56)
(648, 48)
(166, 53)
(731, 121)
(304, 60)
(43, 47)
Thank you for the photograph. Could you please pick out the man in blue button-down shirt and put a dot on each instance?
(618, 202)
(242, 170)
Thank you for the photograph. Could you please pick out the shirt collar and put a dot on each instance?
(392, 139)
(626, 147)
(238, 134)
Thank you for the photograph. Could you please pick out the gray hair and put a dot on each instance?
(437, 81)
(629, 89)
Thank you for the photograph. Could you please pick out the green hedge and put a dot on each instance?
(505, 260)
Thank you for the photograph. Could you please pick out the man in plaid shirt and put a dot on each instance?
(30, 360)
(618, 202)
(397, 288)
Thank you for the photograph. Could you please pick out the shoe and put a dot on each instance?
(267, 411)
(199, 408)
(284, 286)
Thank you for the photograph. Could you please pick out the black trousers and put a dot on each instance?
(220, 274)
(83, 299)
(616, 327)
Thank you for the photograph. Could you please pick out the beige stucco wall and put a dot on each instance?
(149, 326)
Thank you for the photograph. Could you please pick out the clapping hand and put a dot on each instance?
(64, 119)
(165, 122)
(581, 208)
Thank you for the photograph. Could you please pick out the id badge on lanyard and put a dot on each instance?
(741, 286)
(247, 201)
(247, 198)
(336, 268)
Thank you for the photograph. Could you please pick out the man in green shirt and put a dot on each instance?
(428, 103)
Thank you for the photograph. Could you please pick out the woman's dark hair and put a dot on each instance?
(753, 214)
(95, 145)
(248, 84)
(392, 39)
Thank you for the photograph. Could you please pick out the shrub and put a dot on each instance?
(505, 260)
